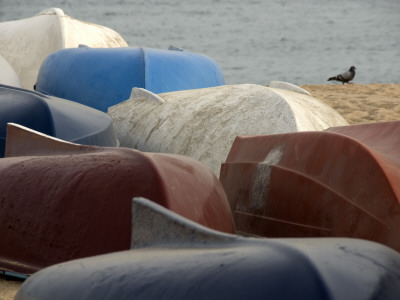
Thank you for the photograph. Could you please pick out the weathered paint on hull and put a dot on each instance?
(27, 42)
(177, 259)
(62, 201)
(203, 123)
(342, 182)
(53, 116)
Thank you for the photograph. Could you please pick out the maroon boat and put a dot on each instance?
(61, 201)
(341, 182)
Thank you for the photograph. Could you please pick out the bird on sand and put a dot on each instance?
(346, 76)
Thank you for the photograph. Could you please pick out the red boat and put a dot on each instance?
(61, 201)
(341, 182)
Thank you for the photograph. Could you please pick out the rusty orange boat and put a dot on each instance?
(61, 201)
(341, 182)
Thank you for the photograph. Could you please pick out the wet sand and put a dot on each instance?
(357, 103)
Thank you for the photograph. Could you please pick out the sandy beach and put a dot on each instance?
(8, 288)
(360, 103)
(357, 103)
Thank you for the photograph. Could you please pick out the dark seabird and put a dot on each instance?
(346, 76)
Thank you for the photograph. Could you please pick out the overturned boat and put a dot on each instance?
(173, 258)
(341, 182)
(53, 116)
(62, 201)
(203, 123)
(7, 74)
(101, 78)
(27, 42)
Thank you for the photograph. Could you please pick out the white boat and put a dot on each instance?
(27, 42)
(7, 74)
(203, 123)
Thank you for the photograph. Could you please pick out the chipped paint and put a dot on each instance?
(261, 179)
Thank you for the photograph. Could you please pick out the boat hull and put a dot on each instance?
(187, 261)
(101, 78)
(7, 74)
(342, 182)
(27, 42)
(62, 201)
(53, 116)
(203, 123)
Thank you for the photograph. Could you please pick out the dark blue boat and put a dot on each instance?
(174, 258)
(53, 116)
(101, 78)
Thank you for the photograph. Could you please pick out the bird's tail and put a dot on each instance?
(332, 78)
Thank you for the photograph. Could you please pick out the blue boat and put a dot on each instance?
(101, 78)
(174, 258)
(53, 116)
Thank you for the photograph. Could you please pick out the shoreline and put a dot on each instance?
(357, 103)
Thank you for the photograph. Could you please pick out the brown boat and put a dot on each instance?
(341, 182)
(61, 201)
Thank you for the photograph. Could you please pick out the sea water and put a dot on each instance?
(254, 41)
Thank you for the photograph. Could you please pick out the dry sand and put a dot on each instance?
(357, 103)
(8, 288)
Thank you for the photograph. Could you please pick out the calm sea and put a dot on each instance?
(254, 41)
